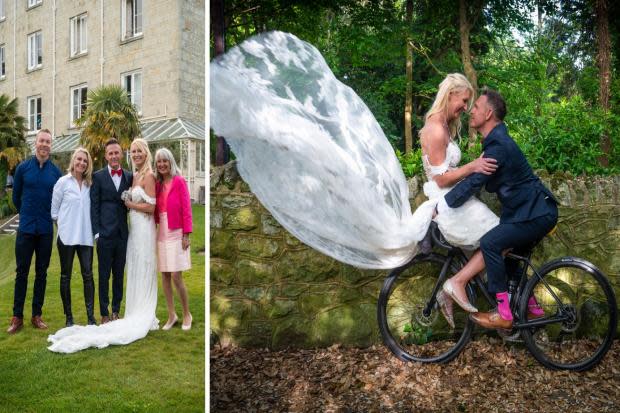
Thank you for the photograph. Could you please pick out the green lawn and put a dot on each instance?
(163, 372)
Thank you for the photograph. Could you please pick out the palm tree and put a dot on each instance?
(13, 145)
(109, 114)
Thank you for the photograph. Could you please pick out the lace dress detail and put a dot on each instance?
(141, 291)
(453, 157)
(465, 225)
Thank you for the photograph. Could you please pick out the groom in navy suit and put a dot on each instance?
(109, 221)
(529, 210)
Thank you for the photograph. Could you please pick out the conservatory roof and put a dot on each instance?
(152, 131)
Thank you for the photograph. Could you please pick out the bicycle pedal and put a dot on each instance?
(511, 336)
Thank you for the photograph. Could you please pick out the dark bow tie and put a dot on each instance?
(118, 172)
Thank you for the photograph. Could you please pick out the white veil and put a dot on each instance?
(313, 153)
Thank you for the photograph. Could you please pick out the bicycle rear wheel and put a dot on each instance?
(588, 304)
(409, 333)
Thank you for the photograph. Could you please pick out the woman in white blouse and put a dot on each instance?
(71, 211)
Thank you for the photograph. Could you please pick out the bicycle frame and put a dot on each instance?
(457, 253)
(521, 324)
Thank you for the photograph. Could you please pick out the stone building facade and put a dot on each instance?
(54, 51)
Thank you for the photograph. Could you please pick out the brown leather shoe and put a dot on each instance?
(105, 319)
(115, 316)
(37, 322)
(491, 320)
(16, 324)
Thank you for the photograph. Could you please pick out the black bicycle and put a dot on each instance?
(575, 333)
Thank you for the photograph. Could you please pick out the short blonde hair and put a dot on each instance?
(87, 176)
(148, 162)
(165, 153)
(454, 82)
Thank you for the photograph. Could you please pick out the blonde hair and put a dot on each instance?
(87, 176)
(147, 167)
(454, 82)
(164, 153)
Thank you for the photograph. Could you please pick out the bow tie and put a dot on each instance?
(118, 172)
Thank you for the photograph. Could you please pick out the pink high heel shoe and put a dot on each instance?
(445, 305)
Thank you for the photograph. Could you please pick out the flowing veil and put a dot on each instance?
(313, 153)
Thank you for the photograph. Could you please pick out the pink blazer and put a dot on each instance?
(178, 205)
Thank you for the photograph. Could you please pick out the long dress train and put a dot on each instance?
(141, 292)
(313, 153)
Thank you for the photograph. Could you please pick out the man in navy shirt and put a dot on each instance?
(32, 195)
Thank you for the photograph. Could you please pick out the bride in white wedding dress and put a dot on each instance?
(141, 289)
(316, 158)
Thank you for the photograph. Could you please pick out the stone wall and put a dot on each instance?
(270, 290)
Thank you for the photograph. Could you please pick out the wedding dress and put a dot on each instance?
(314, 155)
(141, 291)
(465, 225)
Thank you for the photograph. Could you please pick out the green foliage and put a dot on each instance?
(13, 146)
(109, 114)
(6, 206)
(416, 334)
(411, 162)
(564, 137)
(550, 82)
(552, 115)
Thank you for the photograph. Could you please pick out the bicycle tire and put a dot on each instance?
(580, 343)
(436, 347)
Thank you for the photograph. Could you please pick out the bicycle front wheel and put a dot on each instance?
(579, 296)
(410, 332)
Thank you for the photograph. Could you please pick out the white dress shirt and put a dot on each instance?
(71, 211)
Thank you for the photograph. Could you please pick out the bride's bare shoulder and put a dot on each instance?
(432, 135)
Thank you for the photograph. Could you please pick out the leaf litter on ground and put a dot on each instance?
(486, 377)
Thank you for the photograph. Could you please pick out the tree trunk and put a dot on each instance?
(222, 151)
(603, 60)
(409, 90)
(540, 18)
(468, 67)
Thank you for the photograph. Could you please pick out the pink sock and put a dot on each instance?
(533, 307)
(503, 305)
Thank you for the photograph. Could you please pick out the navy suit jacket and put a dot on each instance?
(521, 193)
(108, 213)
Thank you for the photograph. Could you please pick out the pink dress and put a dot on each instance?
(171, 257)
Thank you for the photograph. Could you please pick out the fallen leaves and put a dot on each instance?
(487, 377)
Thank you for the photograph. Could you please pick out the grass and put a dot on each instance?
(163, 372)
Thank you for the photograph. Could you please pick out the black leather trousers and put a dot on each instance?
(85, 256)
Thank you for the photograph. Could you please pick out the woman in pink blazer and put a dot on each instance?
(173, 214)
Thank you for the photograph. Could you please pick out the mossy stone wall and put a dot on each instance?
(267, 289)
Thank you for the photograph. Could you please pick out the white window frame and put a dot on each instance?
(32, 3)
(78, 34)
(200, 158)
(34, 104)
(134, 93)
(131, 18)
(35, 50)
(2, 60)
(78, 106)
